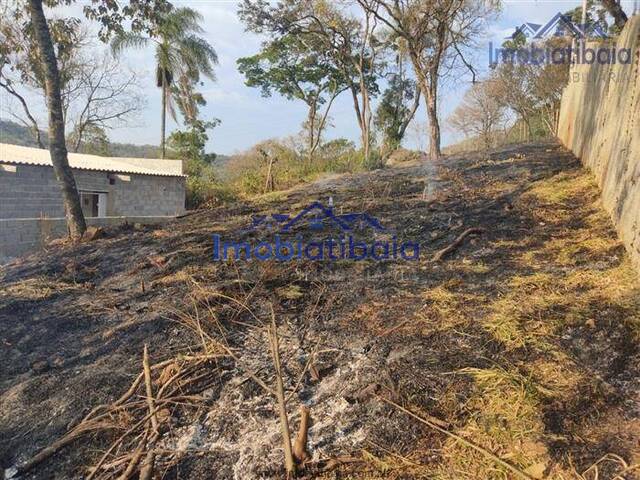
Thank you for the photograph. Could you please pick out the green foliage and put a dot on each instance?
(317, 50)
(246, 172)
(94, 141)
(190, 144)
(179, 49)
(395, 110)
(596, 14)
(21, 57)
(203, 189)
(291, 67)
(182, 56)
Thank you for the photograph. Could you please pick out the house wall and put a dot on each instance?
(23, 235)
(31, 191)
(32, 213)
(600, 123)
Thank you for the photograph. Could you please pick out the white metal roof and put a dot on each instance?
(16, 154)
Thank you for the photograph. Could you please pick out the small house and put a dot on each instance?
(111, 190)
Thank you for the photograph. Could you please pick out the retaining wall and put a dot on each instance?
(600, 123)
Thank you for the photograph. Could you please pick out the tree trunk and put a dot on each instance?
(163, 120)
(311, 126)
(429, 89)
(57, 145)
(405, 123)
(615, 10)
(434, 126)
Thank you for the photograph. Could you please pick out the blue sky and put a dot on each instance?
(248, 118)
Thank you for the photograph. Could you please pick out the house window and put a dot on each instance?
(94, 204)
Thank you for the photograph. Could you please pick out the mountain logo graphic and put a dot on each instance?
(560, 25)
(317, 217)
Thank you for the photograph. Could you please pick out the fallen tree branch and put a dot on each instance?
(135, 459)
(47, 452)
(456, 244)
(518, 473)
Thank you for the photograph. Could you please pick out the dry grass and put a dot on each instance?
(445, 307)
(563, 187)
(38, 288)
(569, 280)
(502, 417)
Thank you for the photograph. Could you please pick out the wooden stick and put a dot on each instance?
(149, 388)
(117, 443)
(300, 445)
(90, 421)
(395, 327)
(47, 452)
(146, 470)
(135, 458)
(282, 407)
(456, 244)
(519, 473)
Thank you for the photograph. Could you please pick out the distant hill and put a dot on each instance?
(16, 134)
(11, 132)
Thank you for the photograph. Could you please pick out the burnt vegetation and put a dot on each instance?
(512, 355)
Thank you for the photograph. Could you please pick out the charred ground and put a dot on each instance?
(524, 341)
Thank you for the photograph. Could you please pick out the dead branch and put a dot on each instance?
(47, 452)
(135, 459)
(519, 473)
(300, 445)
(146, 471)
(282, 407)
(394, 328)
(116, 444)
(126, 395)
(456, 244)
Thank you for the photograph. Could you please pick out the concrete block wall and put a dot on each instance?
(32, 213)
(30, 191)
(23, 235)
(600, 123)
(145, 195)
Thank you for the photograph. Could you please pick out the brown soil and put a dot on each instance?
(524, 341)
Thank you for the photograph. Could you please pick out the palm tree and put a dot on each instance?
(179, 50)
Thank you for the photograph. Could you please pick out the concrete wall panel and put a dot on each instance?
(600, 123)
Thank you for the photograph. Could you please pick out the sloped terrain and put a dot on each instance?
(515, 355)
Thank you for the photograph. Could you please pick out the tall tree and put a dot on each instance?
(21, 67)
(433, 32)
(57, 143)
(480, 113)
(297, 69)
(348, 43)
(180, 52)
(95, 91)
(111, 16)
(397, 107)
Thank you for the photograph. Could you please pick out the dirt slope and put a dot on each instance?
(524, 341)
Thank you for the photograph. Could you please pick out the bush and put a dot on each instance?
(247, 171)
(402, 155)
(203, 190)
